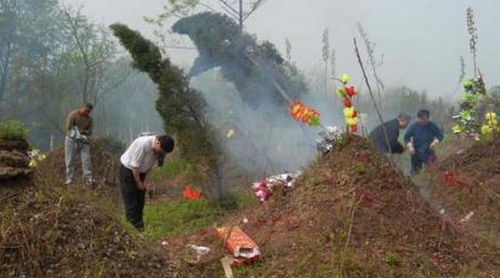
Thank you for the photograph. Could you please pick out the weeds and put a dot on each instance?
(391, 258)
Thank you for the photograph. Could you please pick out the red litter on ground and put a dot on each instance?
(242, 248)
(192, 194)
(451, 179)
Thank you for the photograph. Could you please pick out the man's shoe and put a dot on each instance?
(92, 184)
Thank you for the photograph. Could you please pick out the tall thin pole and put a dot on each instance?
(241, 15)
(377, 110)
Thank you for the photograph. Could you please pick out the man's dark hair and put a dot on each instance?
(89, 106)
(404, 117)
(166, 143)
(423, 113)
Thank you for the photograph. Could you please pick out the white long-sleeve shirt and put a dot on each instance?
(140, 154)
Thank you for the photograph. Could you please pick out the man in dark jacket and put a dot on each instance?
(379, 139)
(421, 139)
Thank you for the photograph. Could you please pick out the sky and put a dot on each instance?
(421, 40)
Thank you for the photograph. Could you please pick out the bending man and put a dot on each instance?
(378, 137)
(140, 157)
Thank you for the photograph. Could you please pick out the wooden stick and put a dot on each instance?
(377, 110)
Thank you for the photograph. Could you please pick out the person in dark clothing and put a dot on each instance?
(379, 140)
(421, 140)
(140, 157)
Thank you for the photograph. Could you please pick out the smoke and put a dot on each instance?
(266, 138)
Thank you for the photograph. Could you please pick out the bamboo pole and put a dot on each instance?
(377, 110)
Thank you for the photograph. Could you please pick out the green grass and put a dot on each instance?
(173, 169)
(172, 218)
(13, 130)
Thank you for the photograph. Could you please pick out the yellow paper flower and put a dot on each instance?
(345, 78)
(348, 112)
(230, 133)
(491, 116)
(486, 130)
(352, 121)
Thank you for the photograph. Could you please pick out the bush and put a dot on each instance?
(13, 130)
(111, 145)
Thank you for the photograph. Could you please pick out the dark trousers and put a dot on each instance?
(418, 161)
(132, 197)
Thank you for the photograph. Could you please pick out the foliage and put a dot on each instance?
(111, 144)
(468, 117)
(258, 71)
(494, 98)
(182, 109)
(52, 58)
(13, 130)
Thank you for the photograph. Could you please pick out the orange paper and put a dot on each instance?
(192, 194)
(239, 244)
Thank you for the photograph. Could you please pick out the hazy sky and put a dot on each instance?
(422, 40)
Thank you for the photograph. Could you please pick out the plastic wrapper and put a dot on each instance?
(328, 139)
(264, 188)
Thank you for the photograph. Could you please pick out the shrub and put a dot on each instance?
(13, 130)
(111, 144)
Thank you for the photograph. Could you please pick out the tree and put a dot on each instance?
(258, 71)
(182, 109)
(22, 33)
(95, 50)
(374, 63)
(239, 10)
(43, 70)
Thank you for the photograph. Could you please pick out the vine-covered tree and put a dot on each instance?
(258, 71)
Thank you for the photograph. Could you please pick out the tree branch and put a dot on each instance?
(225, 3)
(255, 6)
(377, 110)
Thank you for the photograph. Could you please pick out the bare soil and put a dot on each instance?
(351, 215)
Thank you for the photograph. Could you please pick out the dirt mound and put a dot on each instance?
(105, 166)
(467, 187)
(51, 232)
(14, 164)
(351, 215)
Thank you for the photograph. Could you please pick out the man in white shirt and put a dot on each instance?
(140, 157)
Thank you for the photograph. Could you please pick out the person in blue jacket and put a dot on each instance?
(421, 140)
